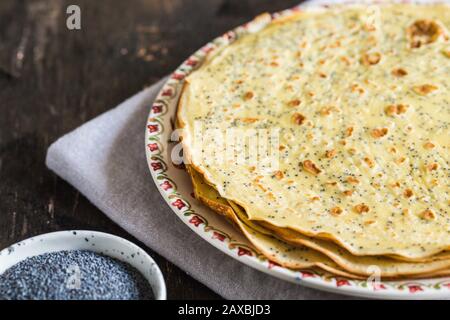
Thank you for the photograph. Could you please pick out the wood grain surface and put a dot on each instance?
(53, 79)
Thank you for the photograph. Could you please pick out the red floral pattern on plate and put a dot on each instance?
(196, 221)
(342, 282)
(208, 48)
(166, 185)
(307, 274)
(157, 108)
(218, 236)
(152, 128)
(273, 264)
(244, 252)
(179, 204)
(378, 286)
(167, 92)
(414, 288)
(153, 147)
(191, 62)
(156, 166)
(178, 76)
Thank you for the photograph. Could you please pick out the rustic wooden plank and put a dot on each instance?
(11, 25)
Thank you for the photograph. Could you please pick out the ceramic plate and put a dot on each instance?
(175, 187)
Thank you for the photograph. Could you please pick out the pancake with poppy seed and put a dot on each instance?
(297, 251)
(360, 98)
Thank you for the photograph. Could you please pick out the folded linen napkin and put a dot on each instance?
(105, 160)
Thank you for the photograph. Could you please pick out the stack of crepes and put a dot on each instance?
(350, 107)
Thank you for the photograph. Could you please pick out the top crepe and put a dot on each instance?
(357, 102)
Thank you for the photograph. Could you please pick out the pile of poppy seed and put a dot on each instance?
(73, 275)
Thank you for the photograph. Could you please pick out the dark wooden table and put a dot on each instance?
(52, 80)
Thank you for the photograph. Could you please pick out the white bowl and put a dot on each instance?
(99, 242)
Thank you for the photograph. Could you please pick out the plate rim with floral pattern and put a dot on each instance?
(171, 182)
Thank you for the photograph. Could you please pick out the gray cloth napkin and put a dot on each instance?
(105, 160)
